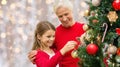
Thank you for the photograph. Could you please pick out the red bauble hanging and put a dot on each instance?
(118, 51)
(118, 31)
(92, 49)
(116, 4)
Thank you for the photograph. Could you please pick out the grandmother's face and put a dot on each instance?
(65, 15)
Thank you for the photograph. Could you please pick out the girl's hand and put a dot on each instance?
(68, 46)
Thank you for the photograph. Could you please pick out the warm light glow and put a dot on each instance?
(13, 6)
(83, 4)
(81, 13)
(29, 1)
(3, 35)
(3, 2)
(17, 50)
(49, 1)
(10, 47)
(24, 37)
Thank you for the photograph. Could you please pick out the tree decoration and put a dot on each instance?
(116, 4)
(111, 49)
(87, 13)
(117, 58)
(92, 49)
(95, 21)
(118, 31)
(96, 2)
(118, 51)
(112, 16)
(82, 38)
(92, 13)
(89, 35)
(85, 27)
(105, 48)
(98, 39)
(74, 53)
(104, 24)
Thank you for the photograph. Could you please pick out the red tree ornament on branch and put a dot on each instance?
(116, 4)
(118, 31)
(92, 49)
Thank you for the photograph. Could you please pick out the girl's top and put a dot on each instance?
(44, 59)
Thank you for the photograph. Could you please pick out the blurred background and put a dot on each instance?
(18, 19)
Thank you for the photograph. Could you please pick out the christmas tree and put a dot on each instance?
(100, 45)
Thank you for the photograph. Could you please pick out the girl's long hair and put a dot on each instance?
(41, 28)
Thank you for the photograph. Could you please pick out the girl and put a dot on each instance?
(43, 40)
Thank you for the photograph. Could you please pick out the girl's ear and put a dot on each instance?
(38, 36)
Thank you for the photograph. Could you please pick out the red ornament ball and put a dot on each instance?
(118, 31)
(118, 51)
(116, 4)
(92, 49)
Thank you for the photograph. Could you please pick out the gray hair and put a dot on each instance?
(62, 3)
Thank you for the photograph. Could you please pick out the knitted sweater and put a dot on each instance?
(44, 60)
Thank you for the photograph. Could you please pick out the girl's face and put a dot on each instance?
(65, 16)
(48, 38)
